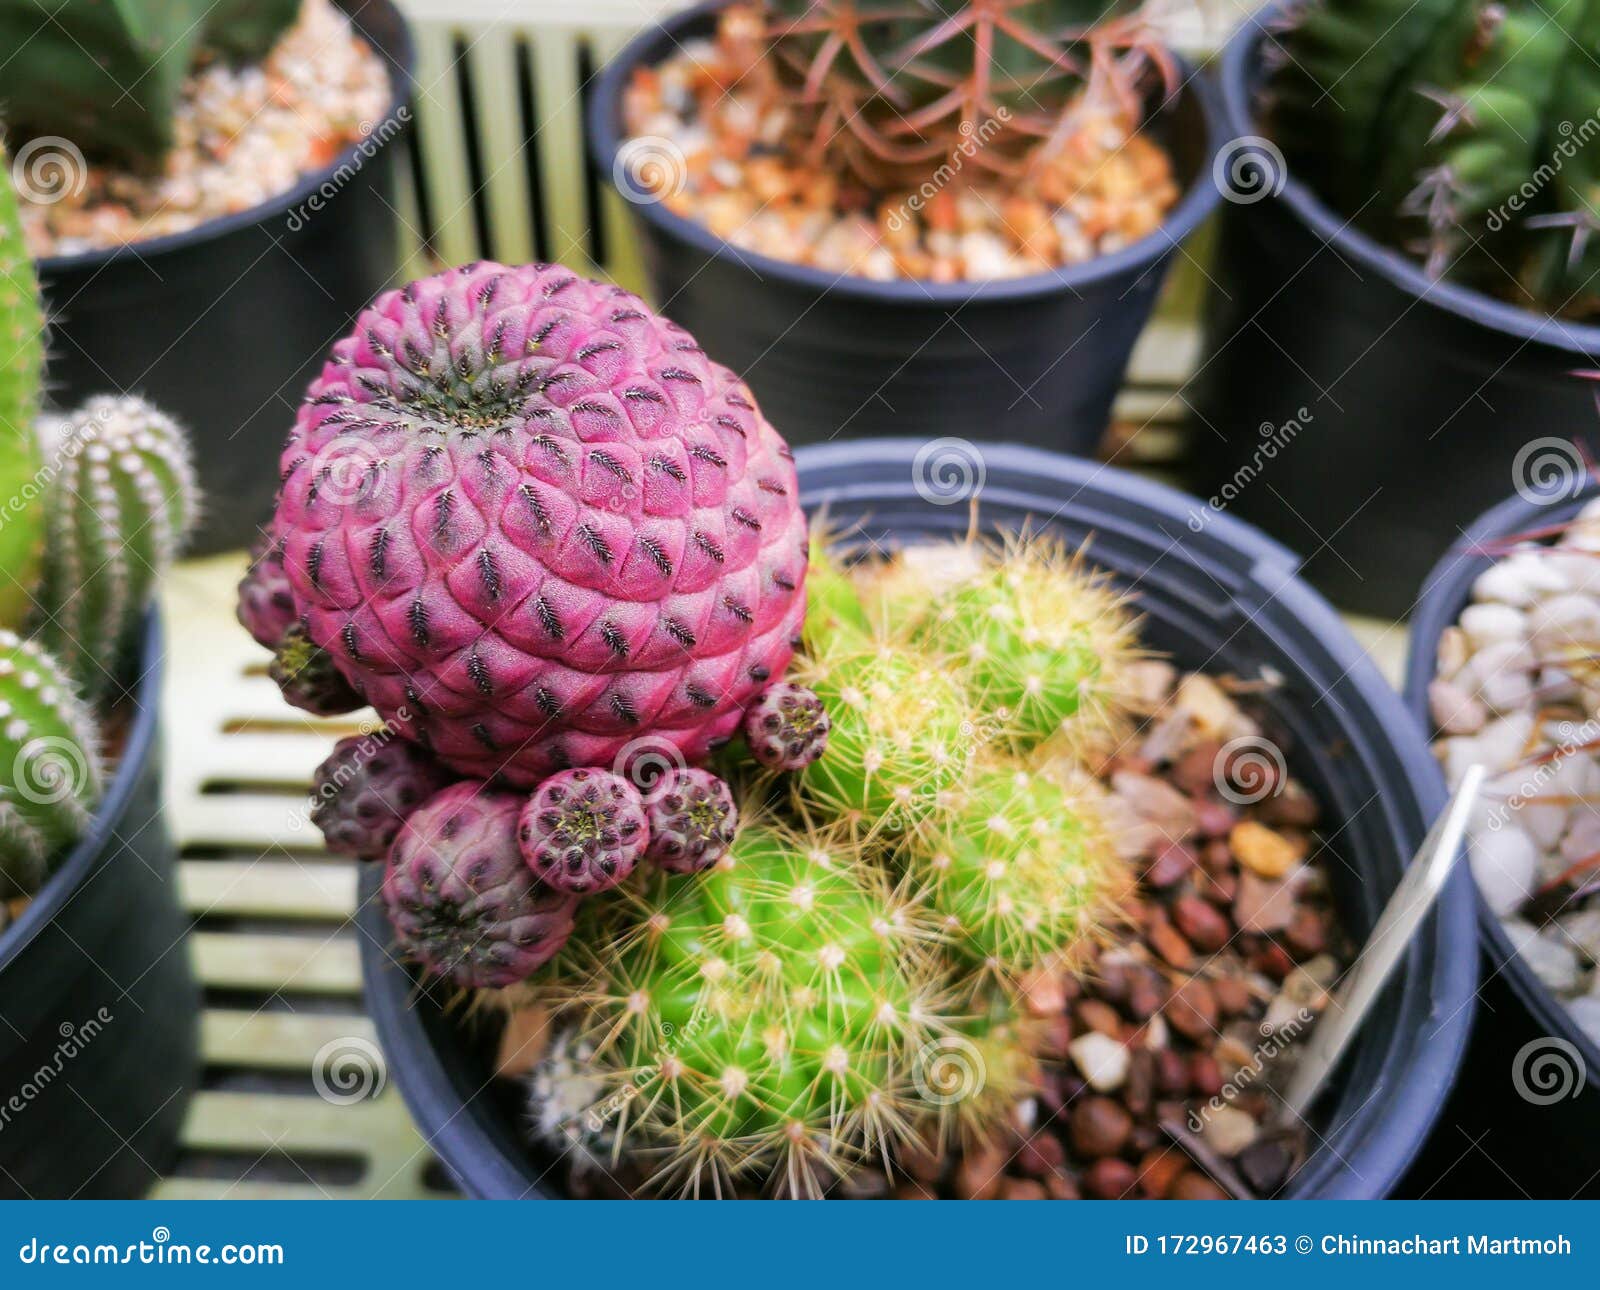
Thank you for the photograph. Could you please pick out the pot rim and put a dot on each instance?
(1239, 553)
(1198, 200)
(401, 64)
(1237, 67)
(93, 847)
(1446, 592)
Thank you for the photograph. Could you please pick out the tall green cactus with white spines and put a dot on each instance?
(50, 771)
(125, 499)
(1455, 130)
(21, 364)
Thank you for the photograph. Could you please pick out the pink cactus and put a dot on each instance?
(532, 524)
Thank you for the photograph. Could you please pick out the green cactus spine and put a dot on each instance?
(770, 1020)
(123, 499)
(21, 363)
(50, 772)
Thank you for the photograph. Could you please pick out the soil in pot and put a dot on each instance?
(718, 135)
(244, 135)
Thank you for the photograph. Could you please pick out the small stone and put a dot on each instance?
(1582, 927)
(1195, 1186)
(1585, 1013)
(1110, 1179)
(1171, 865)
(1293, 808)
(1041, 1154)
(1061, 1187)
(1233, 996)
(1455, 711)
(1550, 959)
(1192, 1010)
(1519, 579)
(1168, 942)
(1505, 865)
(1264, 1164)
(1200, 924)
(1488, 623)
(1228, 1130)
(1159, 1169)
(1102, 1060)
(1023, 1189)
(1213, 819)
(523, 1042)
(1197, 770)
(1205, 1075)
(1157, 802)
(980, 1173)
(1264, 852)
(1042, 993)
(1052, 1038)
(1172, 1073)
(1214, 714)
(1094, 1014)
(1099, 1126)
(1307, 933)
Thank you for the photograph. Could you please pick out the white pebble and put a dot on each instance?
(1499, 674)
(1101, 1059)
(1552, 961)
(1487, 623)
(1583, 929)
(1505, 864)
(1454, 710)
(1519, 579)
(1586, 1012)
(1228, 1130)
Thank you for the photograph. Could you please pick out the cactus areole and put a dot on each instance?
(534, 524)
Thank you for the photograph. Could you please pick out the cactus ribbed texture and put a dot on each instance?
(1458, 131)
(50, 772)
(21, 364)
(124, 497)
(107, 73)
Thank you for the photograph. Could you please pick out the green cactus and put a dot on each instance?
(122, 501)
(777, 1020)
(1019, 869)
(50, 772)
(107, 74)
(21, 363)
(1454, 130)
(892, 91)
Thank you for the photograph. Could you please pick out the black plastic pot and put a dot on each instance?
(1404, 381)
(1225, 600)
(1492, 1140)
(1034, 360)
(99, 1010)
(224, 326)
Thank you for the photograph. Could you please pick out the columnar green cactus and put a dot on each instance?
(50, 773)
(778, 1018)
(21, 364)
(107, 73)
(124, 497)
(1458, 130)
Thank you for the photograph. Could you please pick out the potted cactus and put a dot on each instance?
(100, 1041)
(910, 204)
(742, 844)
(1403, 180)
(201, 236)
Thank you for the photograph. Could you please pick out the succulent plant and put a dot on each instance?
(692, 819)
(123, 499)
(892, 91)
(108, 75)
(1020, 870)
(307, 678)
(901, 735)
(21, 366)
(50, 772)
(366, 788)
(764, 1023)
(1455, 130)
(266, 605)
(787, 727)
(532, 523)
(583, 830)
(462, 903)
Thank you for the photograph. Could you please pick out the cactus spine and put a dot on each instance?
(125, 499)
(21, 364)
(50, 772)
